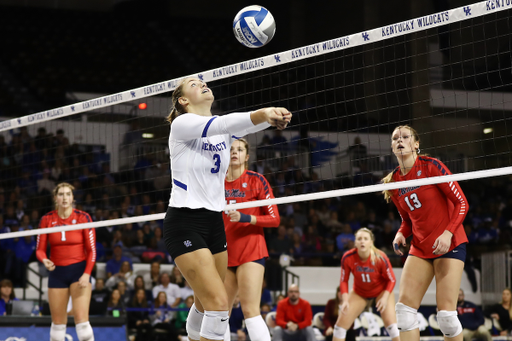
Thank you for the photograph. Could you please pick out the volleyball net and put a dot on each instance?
(447, 74)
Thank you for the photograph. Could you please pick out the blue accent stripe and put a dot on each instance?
(205, 130)
(436, 163)
(87, 216)
(236, 138)
(260, 16)
(179, 184)
(262, 179)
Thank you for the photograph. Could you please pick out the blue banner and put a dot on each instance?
(43, 333)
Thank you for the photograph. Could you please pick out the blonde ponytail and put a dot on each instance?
(387, 179)
(176, 109)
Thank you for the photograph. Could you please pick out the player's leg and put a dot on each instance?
(416, 276)
(448, 273)
(356, 305)
(389, 317)
(58, 300)
(205, 273)
(81, 298)
(250, 281)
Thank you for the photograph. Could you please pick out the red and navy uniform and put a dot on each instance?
(68, 247)
(427, 211)
(246, 242)
(369, 279)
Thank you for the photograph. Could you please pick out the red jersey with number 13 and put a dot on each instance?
(369, 279)
(427, 211)
(68, 247)
(246, 242)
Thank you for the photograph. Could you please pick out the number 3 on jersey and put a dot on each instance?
(416, 203)
(216, 158)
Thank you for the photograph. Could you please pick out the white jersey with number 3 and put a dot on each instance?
(200, 155)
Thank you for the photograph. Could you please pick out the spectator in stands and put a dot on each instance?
(186, 291)
(280, 244)
(293, 317)
(10, 218)
(125, 274)
(114, 264)
(345, 240)
(138, 283)
(333, 223)
(265, 308)
(25, 223)
(502, 312)
(161, 318)
(6, 297)
(177, 278)
(99, 298)
(25, 252)
(266, 296)
(171, 289)
(129, 235)
(472, 320)
(139, 241)
(158, 241)
(140, 319)
(123, 290)
(151, 279)
(181, 316)
(331, 316)
(116, 303)
(236, 319)
(45, 185)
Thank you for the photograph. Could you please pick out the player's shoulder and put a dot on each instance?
(256, 177)
(82, 215)
(434, 163)
(349, 254)
(48, 216)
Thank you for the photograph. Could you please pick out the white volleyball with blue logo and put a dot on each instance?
(254, 26)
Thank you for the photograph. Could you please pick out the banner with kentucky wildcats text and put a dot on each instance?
(43, 333)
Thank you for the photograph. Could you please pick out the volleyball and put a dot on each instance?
(254, 26)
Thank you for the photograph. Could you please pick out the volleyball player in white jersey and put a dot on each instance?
(194, 234)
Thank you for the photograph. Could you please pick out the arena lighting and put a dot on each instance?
(487, 130)
(147, 136)
(143, 106)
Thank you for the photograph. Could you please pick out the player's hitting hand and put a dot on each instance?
(48, 264)
(234, 216)
(442, 243)
(83, 282)
(278, 117)
(397, 242)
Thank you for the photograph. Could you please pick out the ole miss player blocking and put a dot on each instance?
(433, 215)
(247, 249)
(373, 280)
(72, 257)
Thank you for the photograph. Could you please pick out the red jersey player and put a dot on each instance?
(373, 279)
(433, 216)
(247, 249)
(73, 254)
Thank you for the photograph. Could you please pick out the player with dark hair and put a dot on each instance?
(247, 248)
(199, 145)
(374, 280)
(433, 216)
(72, 258)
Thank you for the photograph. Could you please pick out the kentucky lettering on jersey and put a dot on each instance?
(214, 148)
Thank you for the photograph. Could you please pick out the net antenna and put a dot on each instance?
(120, 146)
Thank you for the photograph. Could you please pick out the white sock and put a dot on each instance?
(257, 329)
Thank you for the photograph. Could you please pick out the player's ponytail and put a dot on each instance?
(374, 252)
(387, 179)
(176, 109)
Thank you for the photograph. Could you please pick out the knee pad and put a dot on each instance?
(257, 328)
(57, 332)
(449, 323)
(393, 330)
(194, 321)
(407, 317)
(84, 331)
(214, 324)
(340, 333)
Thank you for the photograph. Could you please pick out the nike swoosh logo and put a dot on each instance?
(226, 245)
(223, 320)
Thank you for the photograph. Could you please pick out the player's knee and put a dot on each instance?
(84, 331)
(449, 323)
(214, 324)
(57, 332)
(407, 317)
(340, 333)
(194, 321)
(393, 331)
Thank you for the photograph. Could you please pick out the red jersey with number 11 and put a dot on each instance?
(369, 279)
(427, 211)
(68, 247)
